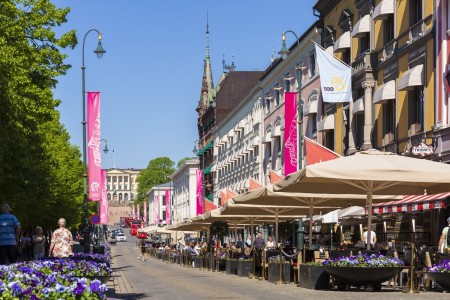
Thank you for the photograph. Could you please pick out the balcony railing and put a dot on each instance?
(390, 49)
(362, 62)
(419, 29)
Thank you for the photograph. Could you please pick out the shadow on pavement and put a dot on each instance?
(120, 268)
(131, 296)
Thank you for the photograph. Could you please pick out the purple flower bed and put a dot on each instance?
(363, 260)
(443, 267)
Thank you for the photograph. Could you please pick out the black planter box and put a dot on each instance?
(98, 249)
(159, 255)
(314, 277)
(221, 265)
(177, 259)
(231, 266)
(198, 262)
(211, 262)
(273, 272)
(244, 267)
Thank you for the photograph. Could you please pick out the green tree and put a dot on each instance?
(157, 172)
(183, 160)
(40, 169)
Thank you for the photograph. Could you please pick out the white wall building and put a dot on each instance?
(237, 147)
(184, 191)
(156, 198)
(122, 185)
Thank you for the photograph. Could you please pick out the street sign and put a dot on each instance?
(422, 150)
(95, 219)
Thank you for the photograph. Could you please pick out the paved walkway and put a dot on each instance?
(155, 279)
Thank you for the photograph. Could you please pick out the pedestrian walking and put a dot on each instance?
(444, 241)
(9, 236)
(62, 241)
(38, 241)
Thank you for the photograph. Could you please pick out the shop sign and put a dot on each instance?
(422, 150)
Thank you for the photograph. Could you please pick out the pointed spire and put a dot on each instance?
(207, 35)
(207, 94)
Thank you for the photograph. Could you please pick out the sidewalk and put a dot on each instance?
(118, 286)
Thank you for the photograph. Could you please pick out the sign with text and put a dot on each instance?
(422, 150)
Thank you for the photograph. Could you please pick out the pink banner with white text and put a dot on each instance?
(138, 211)
(167, 207)
(199, 193)
(290, 133)
(94, 153)
(104, 205)
(145, 212)
(156, 209)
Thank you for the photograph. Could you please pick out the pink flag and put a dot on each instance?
(167, 207)
(134, 214)
(104, 205)
(199, 193)
(290, 133)
(138, 211)
(156, 209)
(145, 212)
(94, 153)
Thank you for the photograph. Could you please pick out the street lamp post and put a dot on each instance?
(99, 51)
(284, 54)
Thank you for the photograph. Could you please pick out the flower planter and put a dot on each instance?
(231, 266)
(362, 276)
(211, 262)
(314, 277)
(273, 272)
(103, 279)
(198, 262)
(221, 265)
(441, 279)
(244, 267)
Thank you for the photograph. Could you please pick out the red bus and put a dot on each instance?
(135, 225)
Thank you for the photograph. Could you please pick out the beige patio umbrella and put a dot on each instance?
(272, 211)
(370, 173)
(267, 197)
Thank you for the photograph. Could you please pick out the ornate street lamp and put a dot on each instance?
(99, 51)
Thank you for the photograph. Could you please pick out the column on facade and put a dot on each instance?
(351, 140)
(368, 123)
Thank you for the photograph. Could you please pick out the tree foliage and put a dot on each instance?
(157, 172)
(183, 160)
(41, 172)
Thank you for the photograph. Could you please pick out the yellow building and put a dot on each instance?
(389, 46)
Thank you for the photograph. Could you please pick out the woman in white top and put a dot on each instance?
(270, 243)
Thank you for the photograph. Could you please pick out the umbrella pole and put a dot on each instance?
(369, 221)
(276, 226)
(235, 232)
(310, 225)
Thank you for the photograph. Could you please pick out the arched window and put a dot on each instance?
(109, 196)
(120, 197)
(126, 196)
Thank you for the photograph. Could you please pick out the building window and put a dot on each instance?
(267, 100)
(415, 11)
(364, 43)
(120, 179)
(126, 196)
(416, 109)
(268, 151)
(114, 179)
(312, 64)
(276, 95)
(358, 120)
(277, 151)
(109, 197)
(108, 179)
(313, 123)
(126, 179)
(388, 28)
(389, 120)
(287, 83)
(163, 200)
(346, 56)
(120, 197)
(328, 139)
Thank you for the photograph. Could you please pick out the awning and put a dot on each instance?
(411, 203)
(310, 108)
(384, 8)
(384, 93)
(326, 124)
(343, 42)
(413, 77)
(362, 26)
(358, 106)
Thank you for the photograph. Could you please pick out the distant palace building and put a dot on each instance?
(122, 184)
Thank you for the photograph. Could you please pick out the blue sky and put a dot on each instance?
(150, 77)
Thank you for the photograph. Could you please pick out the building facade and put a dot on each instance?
(184, 185)
(158, 198)
(122, 185)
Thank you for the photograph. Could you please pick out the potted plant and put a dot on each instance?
(273, 270)
(221, 260)
(440, 274)
(363, 270)
(231, 265)
(313, 276)
(244, 266)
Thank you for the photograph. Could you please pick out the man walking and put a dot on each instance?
(9, 236)
(444, 241)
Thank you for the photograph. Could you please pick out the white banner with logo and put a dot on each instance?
(335, 77)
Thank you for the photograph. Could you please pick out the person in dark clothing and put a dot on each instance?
(9, 236)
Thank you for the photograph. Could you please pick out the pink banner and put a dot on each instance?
(167, 207)
(134, 214)
(94, 153)
(104, 205)
(290, 133)
(138, 210)
(145, 212)
(199, 193)
(156, 209)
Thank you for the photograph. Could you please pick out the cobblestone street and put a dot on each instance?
(155, 279)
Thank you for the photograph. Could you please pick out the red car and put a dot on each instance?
(141, 235)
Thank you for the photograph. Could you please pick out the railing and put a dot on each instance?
(417, 30)
(390, 49)
(363, 61)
